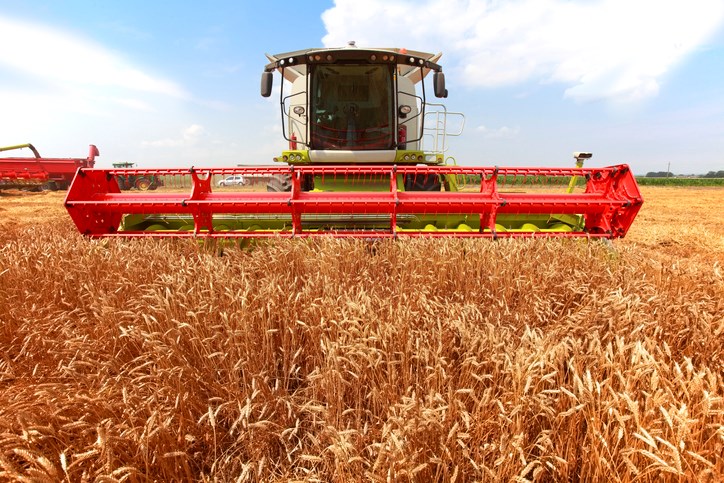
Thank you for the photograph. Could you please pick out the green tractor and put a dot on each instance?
(129, 181)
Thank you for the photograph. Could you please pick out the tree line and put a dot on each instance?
(668, 174)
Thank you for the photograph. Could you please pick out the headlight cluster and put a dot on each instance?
(292, 157)
(413, 157)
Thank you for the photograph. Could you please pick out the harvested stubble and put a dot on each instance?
(421, 360)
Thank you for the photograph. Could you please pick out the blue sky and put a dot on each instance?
(177, 83)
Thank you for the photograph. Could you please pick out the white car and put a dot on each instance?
(236, 180)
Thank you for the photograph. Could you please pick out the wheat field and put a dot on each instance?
(329, 360)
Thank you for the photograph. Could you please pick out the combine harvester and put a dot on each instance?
(356, 167)
(41, 173)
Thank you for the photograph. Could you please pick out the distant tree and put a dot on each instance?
(714, 174)
(659, 174)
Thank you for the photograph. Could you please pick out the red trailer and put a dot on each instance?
(38, 172)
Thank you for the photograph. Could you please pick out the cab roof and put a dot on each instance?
(413, 64)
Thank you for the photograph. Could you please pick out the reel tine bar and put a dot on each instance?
(606, 209)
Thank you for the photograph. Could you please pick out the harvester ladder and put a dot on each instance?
(436, 128)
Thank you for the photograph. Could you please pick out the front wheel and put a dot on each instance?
(279, 182)
(143, 184)
(283, 182)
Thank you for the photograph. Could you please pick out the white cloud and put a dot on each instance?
(65, 90)
(189, 137)
(504, 132)
(599, 49)
(133, 104)
(193, 133)
(58, 57)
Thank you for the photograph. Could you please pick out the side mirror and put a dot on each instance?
(267, 78)
(438, 79)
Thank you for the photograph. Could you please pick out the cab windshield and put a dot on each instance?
(352, 107)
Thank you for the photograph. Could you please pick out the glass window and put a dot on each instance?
(352, 107)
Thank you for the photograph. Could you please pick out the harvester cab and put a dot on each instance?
(354, 106)
(355, 166)
(354, 100)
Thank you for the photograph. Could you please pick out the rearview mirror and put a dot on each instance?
(267, 79)
(438, 79)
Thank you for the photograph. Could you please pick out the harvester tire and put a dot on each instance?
(143, 184)
(283, 182)
(279, 182)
